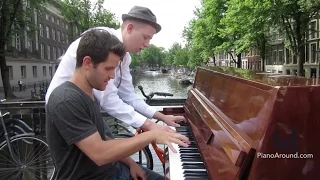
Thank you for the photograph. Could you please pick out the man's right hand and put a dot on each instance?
(150, 126)
(168, 138)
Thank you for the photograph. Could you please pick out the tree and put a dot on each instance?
(153, 56)
(293, 18)
(135, 60)
(15, 17)
(202, 33)
(84, 14)
(247, 22)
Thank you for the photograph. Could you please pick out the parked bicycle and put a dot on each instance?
(23, 155)
(144, 157)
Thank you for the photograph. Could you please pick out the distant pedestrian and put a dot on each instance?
(20, 85)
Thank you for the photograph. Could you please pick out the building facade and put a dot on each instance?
(279, 59)
(32, 57)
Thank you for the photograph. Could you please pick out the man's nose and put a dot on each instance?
(112, 74)
(146, 44)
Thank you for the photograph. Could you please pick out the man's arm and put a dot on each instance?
(126, 90)
(103, 152)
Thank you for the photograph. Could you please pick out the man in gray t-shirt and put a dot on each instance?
(72, 116)
(75, 129)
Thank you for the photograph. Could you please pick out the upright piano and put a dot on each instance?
(246, 125)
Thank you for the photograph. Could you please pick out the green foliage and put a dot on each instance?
(153, 56)
(86, 14)
(135, 60)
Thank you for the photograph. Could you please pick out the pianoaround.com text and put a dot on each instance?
(286, 155)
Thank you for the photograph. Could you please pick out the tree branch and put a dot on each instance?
(13, 16)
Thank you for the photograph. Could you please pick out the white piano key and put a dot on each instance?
(175, 164)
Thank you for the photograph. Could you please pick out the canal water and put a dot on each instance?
(155, 82)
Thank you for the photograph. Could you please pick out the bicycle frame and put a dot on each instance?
(6, 135)
(159, 152)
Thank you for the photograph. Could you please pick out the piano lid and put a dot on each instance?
(240, 112)
(271, 79)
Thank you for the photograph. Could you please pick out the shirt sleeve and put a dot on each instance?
(73, 122)
(115, 107)
(127, 93)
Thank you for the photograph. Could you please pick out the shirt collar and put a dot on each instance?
(119, 34)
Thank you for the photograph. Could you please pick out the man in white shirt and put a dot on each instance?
(119, 99)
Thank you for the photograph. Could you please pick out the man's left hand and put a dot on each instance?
(137, 172)
(172, 120)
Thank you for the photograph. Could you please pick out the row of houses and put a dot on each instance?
(280, 59)
(33, 58)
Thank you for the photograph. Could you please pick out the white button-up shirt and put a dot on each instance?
(121, 103)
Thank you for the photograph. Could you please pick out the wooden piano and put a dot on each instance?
(245, 125)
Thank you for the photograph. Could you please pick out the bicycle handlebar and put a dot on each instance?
(149, 97)
(162, 94)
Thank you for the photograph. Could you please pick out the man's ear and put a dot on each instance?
(87, 62)
(130, 28)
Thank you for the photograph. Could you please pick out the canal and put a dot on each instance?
(154, 82)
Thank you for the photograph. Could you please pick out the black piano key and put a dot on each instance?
(199, 166)
(195, 177)
(194, 159)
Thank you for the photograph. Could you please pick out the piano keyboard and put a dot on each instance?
(187, 162)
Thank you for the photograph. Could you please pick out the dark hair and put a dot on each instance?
(97, 44)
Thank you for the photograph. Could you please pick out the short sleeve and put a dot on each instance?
(73, 121)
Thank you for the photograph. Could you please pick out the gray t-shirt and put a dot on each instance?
(72, 116)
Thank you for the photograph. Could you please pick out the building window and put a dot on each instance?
(29, 44)
(280, 57)
(62, 36)
(50, 71)
(288, 56)
(313, 53)
(53, 34)
(44, 70)
(58, 21)
(10, 72)
(59, 52)
(313, 29)
(52, 19)
(48, 32)
(34, 71)
(274, 57)
(18, 43)
(58, 36)
(41, 30)
(23, 72)
(48, 52)
(42, 51)
(54, 54)
(66, 26)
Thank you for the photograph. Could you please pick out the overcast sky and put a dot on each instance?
(172, 15)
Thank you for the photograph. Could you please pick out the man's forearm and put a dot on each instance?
(147, 124)
(127, 160)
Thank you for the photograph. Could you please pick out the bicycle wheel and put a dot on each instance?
(32, 159)
(143, 157)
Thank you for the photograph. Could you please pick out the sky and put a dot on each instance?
(172, 15)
